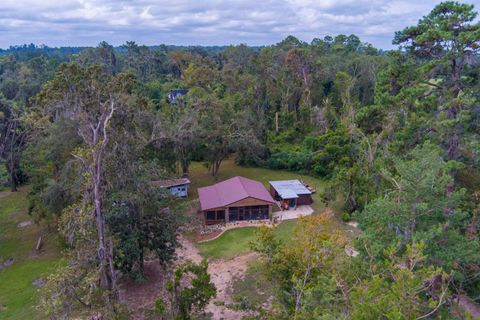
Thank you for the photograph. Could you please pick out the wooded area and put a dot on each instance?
(394, 133)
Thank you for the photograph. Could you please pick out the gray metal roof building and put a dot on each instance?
(289, 189)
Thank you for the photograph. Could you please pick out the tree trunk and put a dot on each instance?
(13, 176)
(107, 272)
(352, 203)
(276, 121)
(413, 225)
(105, 280)
(12, 168)
(184, 160)
(216, 166)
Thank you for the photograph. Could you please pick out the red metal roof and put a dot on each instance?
(232, 190)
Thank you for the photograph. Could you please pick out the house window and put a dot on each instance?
(221, 215)
(210, 215)
(248, 213)
(233, 214)
(260, 212)
(215, 215)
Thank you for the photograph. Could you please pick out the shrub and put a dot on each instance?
(346, 216)
(292, 161)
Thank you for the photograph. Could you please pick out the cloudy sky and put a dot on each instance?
(197, 22)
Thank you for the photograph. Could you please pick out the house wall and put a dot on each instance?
(304, 199)
(274, 193)
(208, 221)
(179, 191)
(248, 202)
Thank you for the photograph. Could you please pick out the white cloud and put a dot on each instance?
(87, 22)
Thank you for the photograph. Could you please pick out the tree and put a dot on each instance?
(416, 208)
(448, 40)
(179, 126)
(92, 98)
(190, 290)
(12, 139)
(223, 131)
(311, 275)
(147, 223)
(407, 288)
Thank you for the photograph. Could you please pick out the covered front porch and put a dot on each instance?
(234, 214)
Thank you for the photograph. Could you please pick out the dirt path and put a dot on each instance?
(4, 194)
(141, 296)
(222, 273)
(468, 305)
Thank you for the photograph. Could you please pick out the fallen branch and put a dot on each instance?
(39, 244)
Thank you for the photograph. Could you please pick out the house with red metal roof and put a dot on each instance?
(235, 199)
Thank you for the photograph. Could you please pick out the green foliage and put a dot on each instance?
(266, 243)
(301, 273)
(379, 128)
(346, 216)
(406, 289)
(190, 290)
(298, 161)
(124, 223)
(315, 278)
(421, 205)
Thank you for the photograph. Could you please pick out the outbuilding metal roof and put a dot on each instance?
(167, 183)
(289, 189)
(232, 190)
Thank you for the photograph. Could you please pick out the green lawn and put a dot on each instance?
(228, 245)
(18, 296)
(236, 241)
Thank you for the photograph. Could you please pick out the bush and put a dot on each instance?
(292, 161)
(346, 216)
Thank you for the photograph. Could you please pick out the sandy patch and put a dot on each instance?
(24, 224)
(223, 273)
(353, 224)
(351, 252)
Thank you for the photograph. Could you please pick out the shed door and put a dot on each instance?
(292, 203)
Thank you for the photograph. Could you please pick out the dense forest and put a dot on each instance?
(395, 135)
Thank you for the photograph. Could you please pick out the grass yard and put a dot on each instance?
(228, 245)
(18, 296)
(236, 241)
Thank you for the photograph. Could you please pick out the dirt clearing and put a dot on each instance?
(222, 273)
(141, 296)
